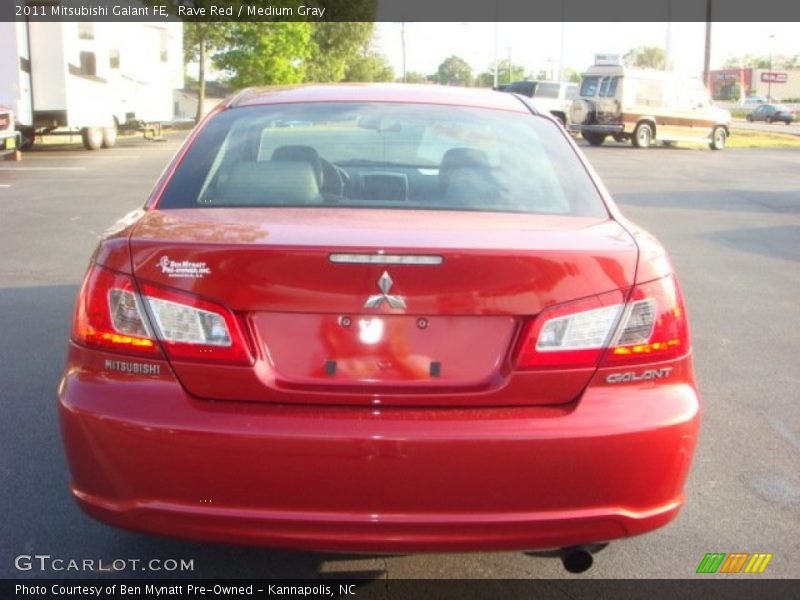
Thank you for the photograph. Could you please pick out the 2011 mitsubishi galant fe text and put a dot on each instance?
(383, 319)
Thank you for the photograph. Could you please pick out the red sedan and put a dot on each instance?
(381, 319)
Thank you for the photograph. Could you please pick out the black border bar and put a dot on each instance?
(722, 587)
(406, 10)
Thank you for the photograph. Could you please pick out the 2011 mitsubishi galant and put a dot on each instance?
(380, 318)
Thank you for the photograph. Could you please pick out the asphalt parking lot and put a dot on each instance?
(731, 221)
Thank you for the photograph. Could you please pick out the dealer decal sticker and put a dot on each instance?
(183, 268)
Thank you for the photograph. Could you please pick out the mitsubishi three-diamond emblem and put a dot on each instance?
(385, 284)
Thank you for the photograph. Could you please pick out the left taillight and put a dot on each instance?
(112, 314)
(109, 315)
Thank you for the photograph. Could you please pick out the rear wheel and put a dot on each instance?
(595, 139)
(768, 119)
(109, 136)
(92, 138)
(28, 138)
(718, 138)
(643, 135)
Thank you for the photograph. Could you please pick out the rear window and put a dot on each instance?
(547, 90)
(383, 155)
(526, 88)
(571, 93)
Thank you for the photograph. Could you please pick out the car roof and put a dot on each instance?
(387, 92)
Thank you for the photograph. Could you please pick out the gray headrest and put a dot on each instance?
(458, 158)
(301, 154)
(269, 182)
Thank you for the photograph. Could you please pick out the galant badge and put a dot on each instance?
(385, 284)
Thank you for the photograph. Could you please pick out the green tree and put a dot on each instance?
(199, 41)
(414, 77)
(572, 75)
(333, 47)
(779, 61)
(369, 65)
(504, 74)
(510, 72)
(266, 53)
(485, 79)
(651, 57)
(454, 70)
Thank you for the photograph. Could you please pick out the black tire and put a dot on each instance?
(109, 136)
(718, 138)
(643, 135)
(28, 138)
(594, 138)
(749, 118)
(768, 119)
(92, 138)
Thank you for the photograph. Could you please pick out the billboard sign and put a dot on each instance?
(774, 77)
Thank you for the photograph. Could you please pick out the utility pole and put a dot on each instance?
(496, 62)
(668, 44)
(707, 61)
(403, 42)
(769, 75)
(561, 48)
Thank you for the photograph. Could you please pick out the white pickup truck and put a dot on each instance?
(554, 97)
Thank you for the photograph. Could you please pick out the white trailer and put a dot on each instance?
(90, 77)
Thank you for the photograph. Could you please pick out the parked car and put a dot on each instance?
(554, 97)
(771, 113)
(646, 106)
(416, 324)
(9, 138)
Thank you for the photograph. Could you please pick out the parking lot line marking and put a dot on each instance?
(42, 168)
(4, 185)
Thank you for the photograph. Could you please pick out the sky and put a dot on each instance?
(536, 46)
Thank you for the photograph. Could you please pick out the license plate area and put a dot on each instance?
(402, 350)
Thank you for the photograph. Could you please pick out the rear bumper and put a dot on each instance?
(146, 456)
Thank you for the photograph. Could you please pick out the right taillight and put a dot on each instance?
(651, 326)
(111, 314)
